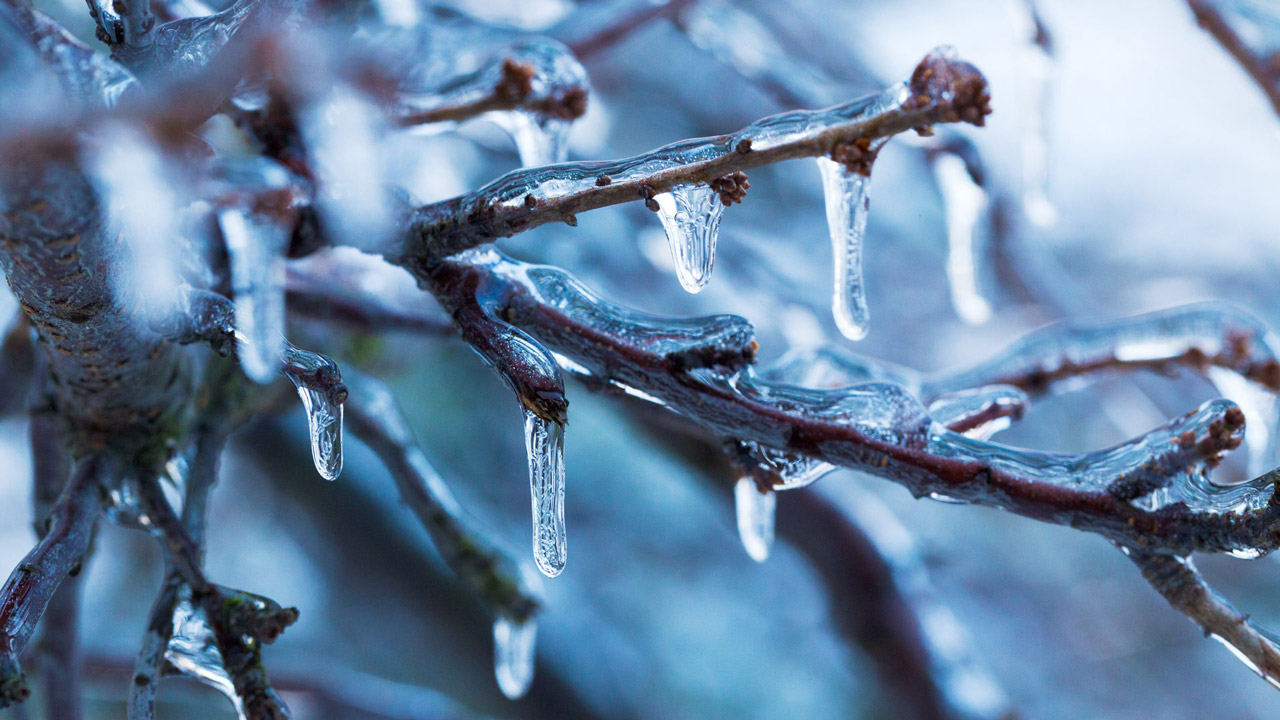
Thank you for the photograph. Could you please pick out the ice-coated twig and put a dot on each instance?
(1178, 581)
(330, 300)
(942, 90)
(1261, 63)
(697, 368)
(32, 584)
(376, 419)
(238, 623)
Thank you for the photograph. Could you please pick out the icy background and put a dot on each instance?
(1163, 162)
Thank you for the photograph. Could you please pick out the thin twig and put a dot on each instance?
(1263, 69)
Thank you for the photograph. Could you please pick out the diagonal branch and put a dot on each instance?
(32, 584)
(1263, 67)
(1178, 581)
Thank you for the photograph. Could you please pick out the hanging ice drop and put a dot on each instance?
(256, 252)
(965, 203)
(324, 411)
(755, 518)
(544, 441)
(691, 216)
(847, 207)
(540, 139)
(513, 646)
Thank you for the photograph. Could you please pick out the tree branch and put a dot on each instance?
(1262, 67)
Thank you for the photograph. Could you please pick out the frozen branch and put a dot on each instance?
(942, 90)
(32, 584)
(377, 420)
(1178, 581)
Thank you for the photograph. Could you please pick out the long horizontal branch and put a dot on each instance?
(941, 90)
(700, 369)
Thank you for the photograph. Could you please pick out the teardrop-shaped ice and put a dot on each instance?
(256, 252)
(324, 411)
(544, 441)
(755, 512)
(691, 216)
(513, 649)
(194, 653)
(847, 207)
(965, 203)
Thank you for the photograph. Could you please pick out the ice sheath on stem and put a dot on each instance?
(690, 214)
(755, 512)
(847, 207)
(544, 441)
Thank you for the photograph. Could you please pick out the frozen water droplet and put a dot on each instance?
(691, 216)
(847, 207)
(540, 139)
(544, 441)
(194, 652)
(256, 251)
(324, 412)
(513, 646)
(755, 518)
(965, 204)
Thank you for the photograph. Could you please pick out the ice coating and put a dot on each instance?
(847, 207)
(755, 513)
(194, 653)
(690, 215)
(544, 442)
(256, 249)
(317, 378)
(980, 412)
(965, 203)
(540, 139)
(513, 653)
(779, 469)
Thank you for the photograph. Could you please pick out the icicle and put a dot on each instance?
(847, 207)
(513, 646)
(540, 139)
(965, 203)
(544, 440)
(324, 411)
(691, 216)
(755, 518)
(256, 251)
(1036, 64)
(194, 652)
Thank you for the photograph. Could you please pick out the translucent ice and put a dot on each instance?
(544, 440)
(256, 250)
(513, 650)
(965, 202)
(755, 512)
(847, 207)
(314, 375)
(691, 216)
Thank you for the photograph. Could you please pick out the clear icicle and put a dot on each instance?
(256, 251)
(544, 440)
(755, 518)
(513, 646)
(691, 216)
(194, 653)
(847, 207)
(540, 139)
(324, 414)
(965, 203)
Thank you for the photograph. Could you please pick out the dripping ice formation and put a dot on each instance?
(324, 412)
(965, 203)
(690, 215)
(539, 139)
(544, 441)
(256, 251)
(755, 513)
(513, 652)
(194, 653)
(847, 207)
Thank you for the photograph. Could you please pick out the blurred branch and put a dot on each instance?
(1178, 581)
(31, 586)
(1262, 67)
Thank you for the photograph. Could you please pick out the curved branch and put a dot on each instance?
(1262, 67)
